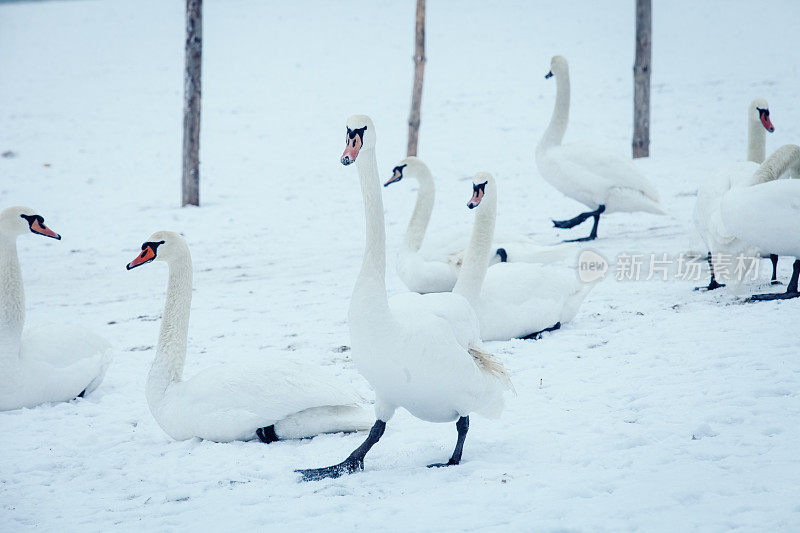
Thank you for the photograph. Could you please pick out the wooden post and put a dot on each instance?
(191, 102)
(641, 80)
(419, 72)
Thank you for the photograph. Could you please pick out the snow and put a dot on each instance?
(656, 409)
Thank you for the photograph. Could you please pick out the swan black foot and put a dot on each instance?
(82, 394)
(501, 252)
(267, 434)
(538, 335)
(462, 426)
(791, 289)
(711, 286)
(571, 223)
(350, 465)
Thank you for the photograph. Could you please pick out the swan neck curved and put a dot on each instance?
(786, 158)
(558, 121)
(476, 258)
(756, 141)
(172, 338)
(369, 293)
(12, 299)
(418, 225)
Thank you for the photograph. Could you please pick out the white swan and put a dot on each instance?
(512, 300)
(601, 181)
(419, 352)
(432, 272)
(765, 214)
(707, 218)
(49, 363)
(273, 399)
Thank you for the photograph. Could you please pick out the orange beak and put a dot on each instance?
(146, 256)
(41, 229)
(477, 196)
(351, 150)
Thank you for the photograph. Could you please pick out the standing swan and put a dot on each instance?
(599, 180)
(273, 400)
(420, 352)
(707, 218)
(512, 300)
(50, 363)
(743, 212)
(425, 273)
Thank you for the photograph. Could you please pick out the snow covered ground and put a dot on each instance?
(656, 409)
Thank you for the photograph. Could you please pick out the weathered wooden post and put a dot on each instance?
(419, 72)
(641, 80)
(191, 102)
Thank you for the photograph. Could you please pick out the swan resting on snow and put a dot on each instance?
(707, 217)
(272, 399)
(48, 363)
(601, 181)
(426, 273)
(512, 300)
(421, 352)
(743, 212)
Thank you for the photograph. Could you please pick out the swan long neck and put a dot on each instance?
(476, 258)
(785, 158)
(756, 140)
(12, 300)
(370, 290)
(558, 121)
(172, 339)
(415, 233)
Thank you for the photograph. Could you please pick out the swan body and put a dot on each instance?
(419, 352)
(766, 213)
(707, 209)
(513, 300)
(232, 402)
(437, 272)
(743, 212)
(49, 362)
(601, 181)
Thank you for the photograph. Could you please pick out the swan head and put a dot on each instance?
(410, 166)
(19, 220)
(483, 187)
(759, 111)
(161, 246)
(360, 135)
(558, 66)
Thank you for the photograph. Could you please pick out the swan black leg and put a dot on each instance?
(355, 461)
(713, 283)
(774, 259)
(267, 434)
(571, 223)
(791, 290)
(462, 426)
(538, 334)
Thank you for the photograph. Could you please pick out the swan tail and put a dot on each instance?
(574, 301)
(632, 200)
(325, 419)
(492, 366)
(105, 362)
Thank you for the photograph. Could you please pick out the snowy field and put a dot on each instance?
(656, 409)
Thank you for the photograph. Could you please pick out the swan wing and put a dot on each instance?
(455, 311)
(765, 215)
(594, 177)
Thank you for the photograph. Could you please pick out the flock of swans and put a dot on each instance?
(420, 350)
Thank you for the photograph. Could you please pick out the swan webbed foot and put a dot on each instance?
(502, 254)
(773, 296)
(572, 222)
(350, 465)
(462, 426)
(712, 285)
(791, 289)
(582, 239)
(775, 282)
(82, 394)
(267, 434)
(538, 334)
